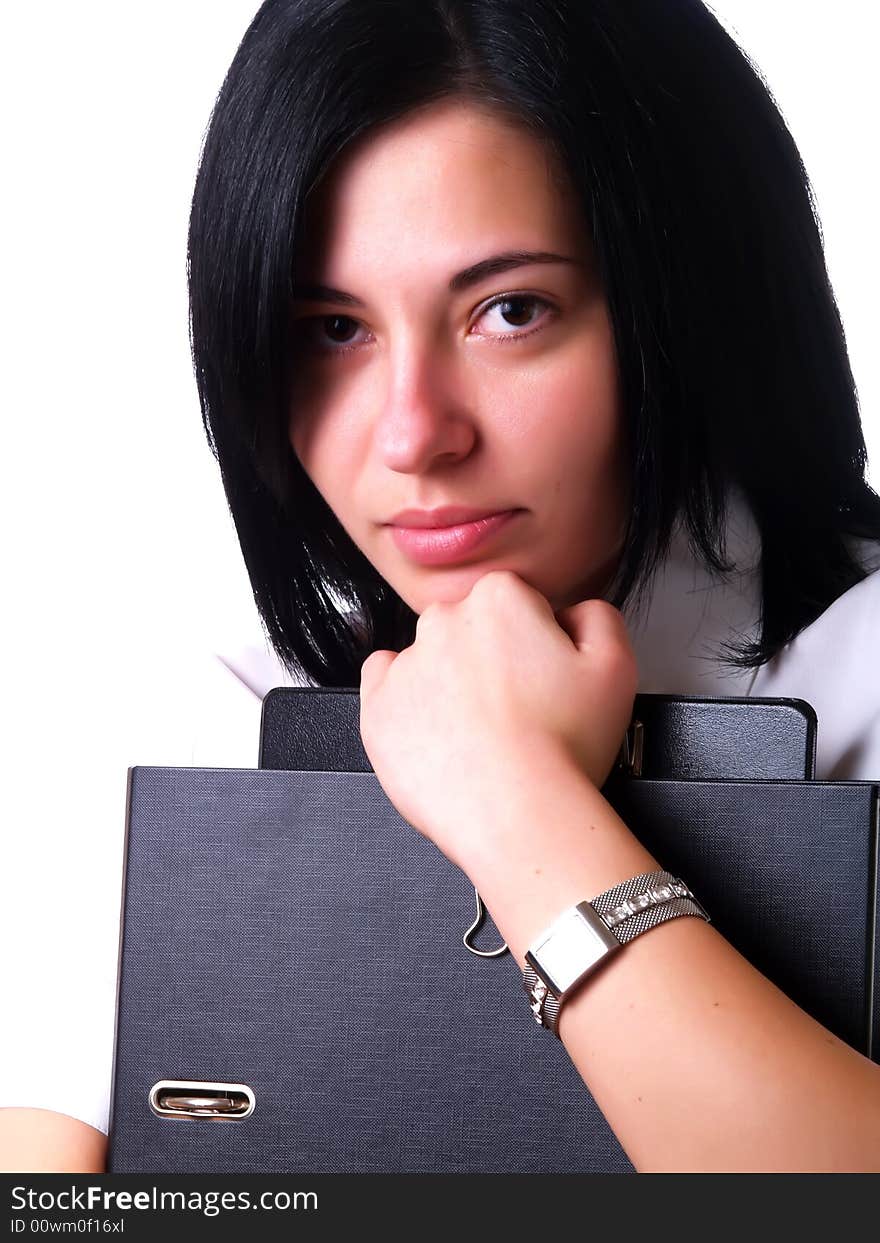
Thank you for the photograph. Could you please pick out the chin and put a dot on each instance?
(453, 586)
(448, 587)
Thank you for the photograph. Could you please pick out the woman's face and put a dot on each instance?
(453, 348)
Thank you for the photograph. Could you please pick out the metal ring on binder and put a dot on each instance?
(189, 1098)
(632, 749)
(474, 926)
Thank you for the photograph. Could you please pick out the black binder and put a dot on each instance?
(683, 737)
(288, 935)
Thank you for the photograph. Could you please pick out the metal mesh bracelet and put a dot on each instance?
(627, 910)
(644, 901)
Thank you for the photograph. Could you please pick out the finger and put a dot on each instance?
(373, 670)
(593, 623)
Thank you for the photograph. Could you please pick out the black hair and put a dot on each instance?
(733, 363)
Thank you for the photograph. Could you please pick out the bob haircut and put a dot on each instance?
(733, 363)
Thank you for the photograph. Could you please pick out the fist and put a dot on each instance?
(495, 693)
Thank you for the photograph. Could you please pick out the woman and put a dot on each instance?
(549, 275)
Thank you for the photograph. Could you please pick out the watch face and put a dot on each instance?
(571, 947)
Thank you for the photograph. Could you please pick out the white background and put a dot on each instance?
(120, 560)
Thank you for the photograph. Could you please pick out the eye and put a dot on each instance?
(330, 334)
(516, 310)
(337, 334)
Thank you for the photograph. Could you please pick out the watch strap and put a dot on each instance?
(644, 901)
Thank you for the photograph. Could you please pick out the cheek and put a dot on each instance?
(299, 441)
(331, 451)
(317, 435)
(302, 421)
(314, 448)
(571, 418)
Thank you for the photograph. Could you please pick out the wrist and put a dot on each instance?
(545, 844)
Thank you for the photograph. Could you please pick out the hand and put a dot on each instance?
(496, 692)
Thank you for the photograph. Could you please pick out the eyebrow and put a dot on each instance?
(473, 275)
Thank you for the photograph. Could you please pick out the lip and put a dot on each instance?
(444, 545)
(445, 516)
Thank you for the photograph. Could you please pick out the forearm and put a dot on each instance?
(698, 1062)
(35, 1140)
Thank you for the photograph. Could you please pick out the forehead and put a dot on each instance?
(435, 188)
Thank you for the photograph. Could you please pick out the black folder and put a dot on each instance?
(682, 736)
(292, 947)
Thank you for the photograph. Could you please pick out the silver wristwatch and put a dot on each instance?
(585, 935)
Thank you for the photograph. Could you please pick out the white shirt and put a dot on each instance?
(58, 1052)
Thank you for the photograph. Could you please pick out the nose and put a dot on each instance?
(424, 420)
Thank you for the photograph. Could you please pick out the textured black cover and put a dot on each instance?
(290, 931)
(686, 738)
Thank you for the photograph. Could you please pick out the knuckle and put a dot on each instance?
(367, 663)
(495, 583)
(618, 661)
(608, 622)
(430, 615)
(605, 612)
